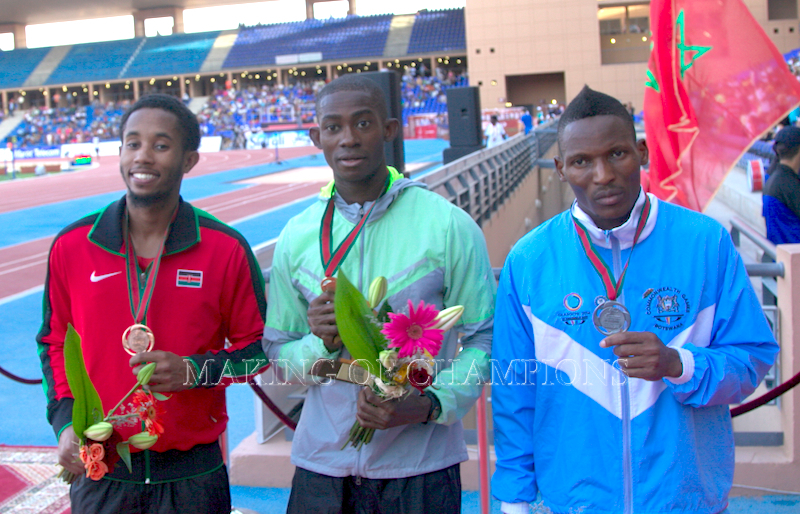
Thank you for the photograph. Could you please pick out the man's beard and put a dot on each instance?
(147, 200)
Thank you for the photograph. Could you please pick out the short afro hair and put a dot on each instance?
(187, 121)
(357, 82)
(591, 103)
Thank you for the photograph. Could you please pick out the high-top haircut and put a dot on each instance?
(591, 103)
(187, 121)
(355, 82)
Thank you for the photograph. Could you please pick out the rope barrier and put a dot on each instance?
(14, 377)
(766, 397)
(286, 420)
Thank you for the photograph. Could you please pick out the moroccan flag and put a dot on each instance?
(715, 84)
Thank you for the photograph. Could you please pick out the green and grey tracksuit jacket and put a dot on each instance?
(428, 249)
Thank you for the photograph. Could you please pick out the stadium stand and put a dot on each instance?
(17, 65)
(438, 31)
(94, 62)
(336, 38)
(176, 54)
(47, 127)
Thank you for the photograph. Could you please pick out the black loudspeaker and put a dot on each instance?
(464, 113)
(389, 82)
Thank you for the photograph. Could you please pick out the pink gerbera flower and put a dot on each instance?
(412, 332)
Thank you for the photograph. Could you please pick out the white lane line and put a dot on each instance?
(23, 294)
(29, 257)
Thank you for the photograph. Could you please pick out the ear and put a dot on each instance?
(313, 133)
(190, 159)
(641, 145)
(560, 168)
(390, 129)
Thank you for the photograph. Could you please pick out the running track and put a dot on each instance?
(23, 265)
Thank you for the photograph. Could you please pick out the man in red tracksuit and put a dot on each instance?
(180, 280)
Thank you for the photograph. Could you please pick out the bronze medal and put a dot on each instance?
(138, 338)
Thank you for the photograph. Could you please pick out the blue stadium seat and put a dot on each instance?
(438, 31)
(94, 62)
(17, 65)
(176, 54)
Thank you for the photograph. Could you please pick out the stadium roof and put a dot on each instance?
(30, 12)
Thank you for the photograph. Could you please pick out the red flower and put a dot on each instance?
(419, 378)
(149, 411)
(153, 427)
(96, 470)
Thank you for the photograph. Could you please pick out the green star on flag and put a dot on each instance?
(699, 51)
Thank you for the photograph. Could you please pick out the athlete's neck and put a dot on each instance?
(368, 190)
(147, 225)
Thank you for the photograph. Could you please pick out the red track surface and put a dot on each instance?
(23, 266)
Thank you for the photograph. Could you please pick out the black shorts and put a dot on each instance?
(181, 482)
(438, 492)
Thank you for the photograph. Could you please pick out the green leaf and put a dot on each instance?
(358, 327)
(125, 454)
(87, 401)
(160, 397)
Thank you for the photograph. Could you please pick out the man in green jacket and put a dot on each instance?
(429, 250)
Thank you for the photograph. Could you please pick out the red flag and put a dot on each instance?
(715, 84)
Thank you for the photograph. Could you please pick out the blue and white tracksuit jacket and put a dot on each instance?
(568, 423)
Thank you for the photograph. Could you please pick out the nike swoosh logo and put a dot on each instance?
(98, 278)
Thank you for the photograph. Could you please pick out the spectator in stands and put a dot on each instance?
(494, 133)
(781, 196)
(590, 415)
(215, 321)
(411, 465)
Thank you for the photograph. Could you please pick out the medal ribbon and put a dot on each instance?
(606, 275)
(139, 296)
(332, 259)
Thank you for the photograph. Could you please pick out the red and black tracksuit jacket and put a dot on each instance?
(209, 289)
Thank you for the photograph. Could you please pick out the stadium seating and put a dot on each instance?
(175, 54)
(94, 62)
(336, 38)
(17, 65)
(438, 31)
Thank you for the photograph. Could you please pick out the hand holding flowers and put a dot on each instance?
(399, 355)
(100, 445)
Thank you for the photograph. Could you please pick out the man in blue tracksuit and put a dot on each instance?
(623, 329)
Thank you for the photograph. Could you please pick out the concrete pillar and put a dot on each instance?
(329, 72)
(351, 7)
(182, 80)
(47, 102)
(18, 29)
(91, 93)
(176, 13)
(135, 90)
(309, 9)
(789, 303)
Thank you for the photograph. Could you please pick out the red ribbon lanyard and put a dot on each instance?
(141, 295)
(332, 259)
(606, 275)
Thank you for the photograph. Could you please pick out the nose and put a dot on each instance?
(603, 172)
(143, 154)
(349, 137)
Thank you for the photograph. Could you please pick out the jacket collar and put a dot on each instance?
(106, 233)
(353, 212)
(625, 232)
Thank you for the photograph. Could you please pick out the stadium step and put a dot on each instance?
(197, 103)
(10, 123)
(47, 65)
(399, 35)
(219, 52)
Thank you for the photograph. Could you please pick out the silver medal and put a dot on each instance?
(611, 317)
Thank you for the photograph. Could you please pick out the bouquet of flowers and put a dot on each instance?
(100, 445)
(397, 349)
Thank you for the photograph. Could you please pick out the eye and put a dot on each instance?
(132, 144)
(363, 124)
(618, 153)
(331, 128)
(162, 147)
(580, 161)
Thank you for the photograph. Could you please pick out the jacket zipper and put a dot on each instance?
(627, 465)
(360, 288)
